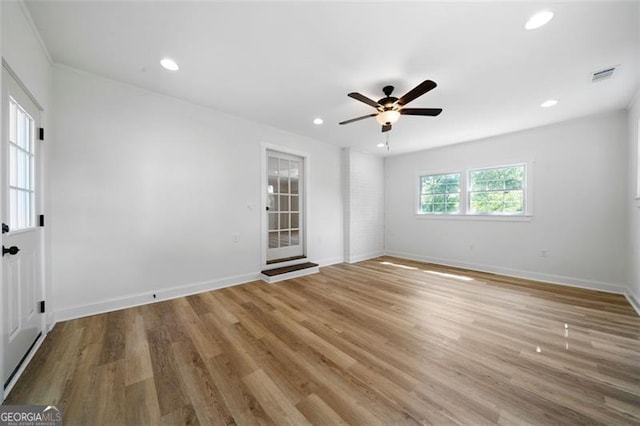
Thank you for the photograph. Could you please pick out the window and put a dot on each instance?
(440, 194)
(498, 190)
(21, 180)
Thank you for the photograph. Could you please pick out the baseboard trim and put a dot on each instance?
(329, 261)
(362, 257)
(144, 298)
(517, 273)
(634, 301)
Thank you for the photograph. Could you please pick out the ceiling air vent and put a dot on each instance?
(602, 74)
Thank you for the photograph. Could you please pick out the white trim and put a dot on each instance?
(633, 301)
(496, 217)
(637, 146)
(24, 365)
(633, 100)
(361, 257)
(329, 261)
(13, 75)
(518, 273)
(283, 149)
(117, 303)
(34, 28)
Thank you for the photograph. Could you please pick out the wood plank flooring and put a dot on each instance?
(385, 341)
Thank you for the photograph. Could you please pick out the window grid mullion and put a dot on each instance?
(509, 181)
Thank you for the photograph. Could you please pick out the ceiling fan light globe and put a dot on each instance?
(388, 117)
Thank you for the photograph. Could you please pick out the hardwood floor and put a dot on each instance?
(385, 341)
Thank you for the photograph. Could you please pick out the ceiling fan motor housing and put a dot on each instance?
(388, 102)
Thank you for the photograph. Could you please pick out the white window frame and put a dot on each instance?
(418, 207)
(524, 189)
(464, 214)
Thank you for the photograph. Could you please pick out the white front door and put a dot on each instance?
(285, 203)
(21, 237)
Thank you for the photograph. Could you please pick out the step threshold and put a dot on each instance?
(288, 272)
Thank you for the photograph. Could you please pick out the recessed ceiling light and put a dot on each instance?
(380, 145)
(169, 64)
(548, 103)
(318, 121)
(539, 19)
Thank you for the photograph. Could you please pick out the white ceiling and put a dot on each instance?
(285, 63)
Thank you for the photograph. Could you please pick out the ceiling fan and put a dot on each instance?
(391, 108)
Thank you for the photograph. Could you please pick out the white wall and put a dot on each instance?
(634, 205)
(22, 50)
(149, 191)
(578, 190)
(363, 205)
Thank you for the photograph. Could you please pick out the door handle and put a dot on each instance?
(5, 228)
(10, 250)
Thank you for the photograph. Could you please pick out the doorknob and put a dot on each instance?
(10, 250)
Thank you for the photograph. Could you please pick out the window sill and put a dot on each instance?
(519, 218)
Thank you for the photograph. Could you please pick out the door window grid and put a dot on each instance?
(283, 202)
(20, 168)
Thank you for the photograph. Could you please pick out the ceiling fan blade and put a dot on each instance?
(386, 127)
(419, 90)
(363, 98)
(357, 119)
(421, 111)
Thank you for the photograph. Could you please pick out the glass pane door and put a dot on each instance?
(284, 206)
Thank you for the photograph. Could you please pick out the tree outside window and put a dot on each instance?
(440, 194)
(498, 190)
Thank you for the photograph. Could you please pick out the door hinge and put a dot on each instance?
(42, 306)
(41, 133)
(41, 220)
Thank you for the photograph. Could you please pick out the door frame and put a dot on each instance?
(264, 147)
(39, 163)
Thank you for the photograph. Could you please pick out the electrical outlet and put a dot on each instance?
(544, 253)
(235, 238)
